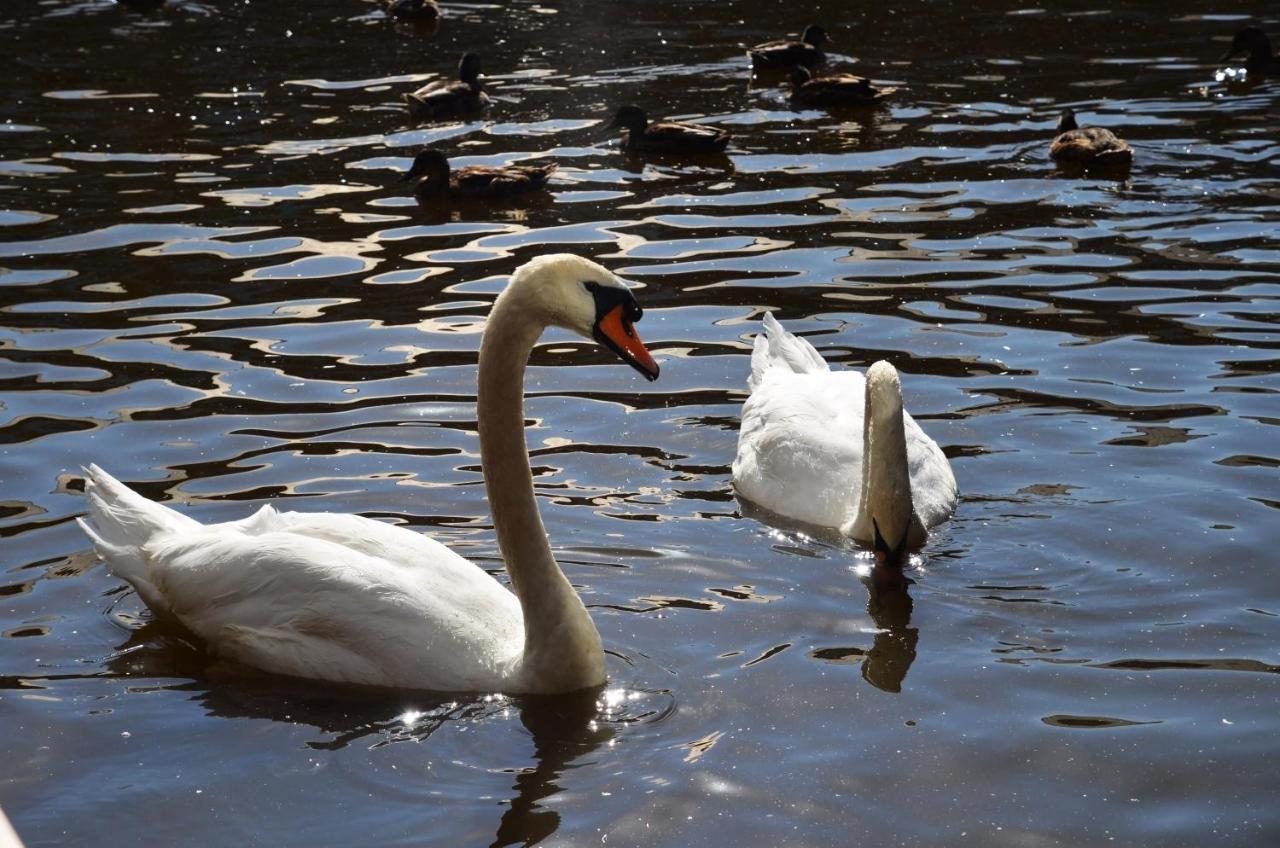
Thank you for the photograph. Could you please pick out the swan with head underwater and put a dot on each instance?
(836, 449)
(351, 600)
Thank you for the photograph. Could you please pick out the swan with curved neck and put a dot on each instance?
(835, 449)
(352, 600)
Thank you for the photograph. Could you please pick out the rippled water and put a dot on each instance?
(213, 285)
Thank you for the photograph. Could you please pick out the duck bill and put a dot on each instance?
(615, 332)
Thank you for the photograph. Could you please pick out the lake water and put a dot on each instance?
(212, 284)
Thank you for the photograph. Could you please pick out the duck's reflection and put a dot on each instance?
(563, 728)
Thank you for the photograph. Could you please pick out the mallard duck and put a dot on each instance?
(834, 90)
(413, 11)
(435, 179)
(1254, 41)
(786, 53)
(1088, 147)
(667, 136)
(449, 98)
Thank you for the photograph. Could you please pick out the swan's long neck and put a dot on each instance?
(562, 648)
(885, 501)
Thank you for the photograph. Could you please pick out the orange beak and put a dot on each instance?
(615, 332)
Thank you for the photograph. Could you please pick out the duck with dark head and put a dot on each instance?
(640, 136)
(786, 53)
(435, 180)
(450, 98)
(1088, 148)
(1254, 41)
(419, 12)
(833, 91)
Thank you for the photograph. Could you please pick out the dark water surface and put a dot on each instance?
(213, 286)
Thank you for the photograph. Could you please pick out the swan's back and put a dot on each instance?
(318, 595)
(793, 451)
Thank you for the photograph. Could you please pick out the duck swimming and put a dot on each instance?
(836, 449)
(666, 136)
(449, 98)
(1088, 147)
(1254, 41)
(786, 53)
(413, 11)
(834, 90)
(352, 600)
(435, 179)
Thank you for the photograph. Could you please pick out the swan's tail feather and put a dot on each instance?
(121, 523)
(776, 348)
(121, 516)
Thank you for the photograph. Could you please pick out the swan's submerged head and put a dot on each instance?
(586, 298)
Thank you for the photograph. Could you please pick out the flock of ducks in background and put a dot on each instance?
(348, 599)
(1075, 148)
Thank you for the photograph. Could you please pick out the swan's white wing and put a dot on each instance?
(933, 485)
(383, 606)
(776, 349)
(800, 445)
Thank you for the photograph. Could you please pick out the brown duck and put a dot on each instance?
(834, 90)
(786, 53)
(1254, 41)
(640, 136)
(413, 11)
(1088, 147)
(449, 98)
(435, 179)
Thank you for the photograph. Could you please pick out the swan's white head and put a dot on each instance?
(568, 291)
(887, 487)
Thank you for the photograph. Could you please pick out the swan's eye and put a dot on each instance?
(591, 286)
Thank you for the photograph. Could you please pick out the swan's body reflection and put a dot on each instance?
(563, 728)
(893, 650)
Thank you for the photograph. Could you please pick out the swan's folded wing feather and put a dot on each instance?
(794, 450)
(933, 484)
(391, 542)
(776, 348)
(336, 612)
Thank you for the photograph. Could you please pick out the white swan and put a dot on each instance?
(808, 452)
(351, 600)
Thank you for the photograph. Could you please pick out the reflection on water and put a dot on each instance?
(213, 284)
